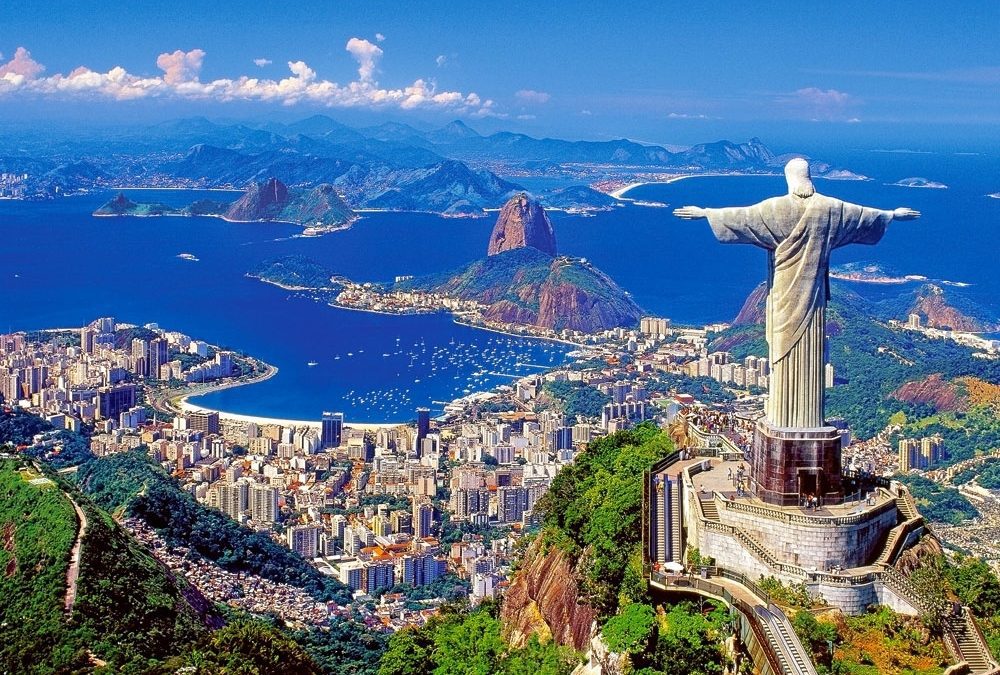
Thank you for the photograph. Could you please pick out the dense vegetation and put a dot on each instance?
(705, 389)
(593, 510)
(871, 361)
(986, 475)
(130, 607)
(880, 642)
(247, 646)
(133, 482)
(346, 647)
(61, 448)
(37, 530)
(129, 610)
(875, 360)
(680, 640)
(938, 503)
(577, 398)
(469, 643)
(295, 271)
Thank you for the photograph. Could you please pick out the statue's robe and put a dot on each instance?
(799, 233)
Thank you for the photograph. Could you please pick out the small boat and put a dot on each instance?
(312, 363)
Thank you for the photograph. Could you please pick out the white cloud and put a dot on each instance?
(854, 120)
(22, 64)
(367, 56)
(686, 116)
(379, 37)
(532, 96)
(260, 63)
(180, 66)
(526, 117)
(441, 60)
(819, 104)
(586, 112)
(180, 80)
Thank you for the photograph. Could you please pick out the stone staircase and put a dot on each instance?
(710, 509)
(889, 550)
(906, 506)
(970, 644)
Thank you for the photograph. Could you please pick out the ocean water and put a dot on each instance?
(61, 267)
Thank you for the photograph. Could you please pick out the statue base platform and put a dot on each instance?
(791, 465)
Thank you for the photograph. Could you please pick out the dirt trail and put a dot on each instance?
(74, 564)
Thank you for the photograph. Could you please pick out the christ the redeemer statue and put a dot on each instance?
(799, 230)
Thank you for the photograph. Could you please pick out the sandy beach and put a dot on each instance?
(185, 406)
(620, 192)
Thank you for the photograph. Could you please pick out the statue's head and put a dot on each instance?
(797, 176)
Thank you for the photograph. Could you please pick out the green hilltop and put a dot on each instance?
(529, 287)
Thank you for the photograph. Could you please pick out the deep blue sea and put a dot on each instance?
(59, 266)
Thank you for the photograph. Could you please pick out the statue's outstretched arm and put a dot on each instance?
(905, 213)
(690, 213)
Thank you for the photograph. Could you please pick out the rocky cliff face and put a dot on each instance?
(753, 309)
(933, 306)
(544, 600)
(933, 390)
(321, 206)
(261, 201)
(522, 223)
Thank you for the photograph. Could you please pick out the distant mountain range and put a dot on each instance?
(452, 170)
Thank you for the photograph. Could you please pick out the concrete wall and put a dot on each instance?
(817, 546)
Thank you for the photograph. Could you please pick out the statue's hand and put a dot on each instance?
(903, 213)
(690, 212)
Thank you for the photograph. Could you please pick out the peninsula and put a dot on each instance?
(522, 286)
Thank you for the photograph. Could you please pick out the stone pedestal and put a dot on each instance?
(790, 464)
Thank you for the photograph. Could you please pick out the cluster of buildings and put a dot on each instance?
(986, 347)
(370, 297)
(13, 185)
(383, 509)
(248, 592)
(920, 453)
(753, 371)
(97, 378)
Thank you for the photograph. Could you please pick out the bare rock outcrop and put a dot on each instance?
(522, 222)
(544, 600)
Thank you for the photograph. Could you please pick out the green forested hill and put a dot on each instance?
(128, 609)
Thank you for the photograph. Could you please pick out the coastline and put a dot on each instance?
(518, 335)
(256, 419)
(181, 404)
(620, 192)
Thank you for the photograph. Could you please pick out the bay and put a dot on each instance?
(59, 266)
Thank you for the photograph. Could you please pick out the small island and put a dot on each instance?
(578, 199)
(318, 211)
(917, 182)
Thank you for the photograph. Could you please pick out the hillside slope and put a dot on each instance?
(128, 608)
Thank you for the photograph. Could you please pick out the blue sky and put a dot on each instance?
(659, 71)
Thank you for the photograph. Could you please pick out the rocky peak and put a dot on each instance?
(522, 223)
(260, 202)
